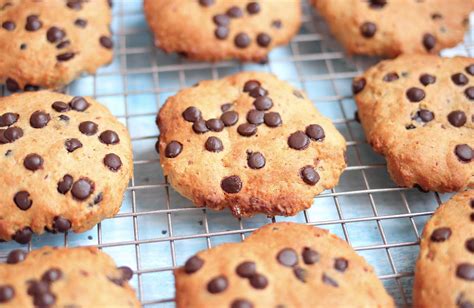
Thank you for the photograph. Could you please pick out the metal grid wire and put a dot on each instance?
(157, 230)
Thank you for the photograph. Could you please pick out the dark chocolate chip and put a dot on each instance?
(469, 92)
(23, 236)
(52, 275)
(33, 162)
(287, 257)
(257, 92)
(263, 103)
(459, 79)
(231, 184)
(13, 133)
(425, 115)
(39, 119)
(221, 20)
(22, 200)
(81, 23)
(464, 152)
(7, 293)
(106, 42)
(126, 272)
(88, 128)
(315, 132)
(301, 274)
(246, 269)
(309, 175)
(192, 114)
(215, 125)
(465, 271)
(109, 137)
(221, 32)
(310, 256)
(61, 224)
(113, 162)
(98, 199)
(193, 264)
(272, 119)
(341, 264)
(429, 41)
(427, 79)
(368, 29)
(256, 160)
(214, 144)
(470, 245)
(72, 144)
(63, 44)
(60, 106)
(64, 185)
(298, 141)
(12, 85)
(55, 34)
(358, 85)
(277, 24)
(241, 303)
(206, 2)
(82, 189)
(199, 126)
(247, 129)
(415, 95)
(457, 118)
(258, 281)
(242, 40)
(255, 117)
(79, 103)
(329, 281)
(389, 77)
(263, 40)
(377, 4)
(217, 285)
(226, 107)
(251, 85)
(8, 119)
(234, 12)
(16, 256)
(33, 23)
(230, 118)
(470, 69)
(253, 8)
(36, 287)
(9, 25)
(440, 234)
(65, 56)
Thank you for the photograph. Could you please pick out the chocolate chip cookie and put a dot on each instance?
(389, 28)
(248, 142)
(65, 163)
(47, 44)
(215, 30)
(278, 267)
(64, 277)
(444, 274)
(418, 111)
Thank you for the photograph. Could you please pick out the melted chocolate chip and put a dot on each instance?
(33, 162)
(7, 293)
(106, 42)
(54, 34)
(33, 23)
(60, 106)
(16, 256)
(429, 41)
(52, 275)
(253, 8)
(113, 162)
(264, 40)
(298, 141)
(234, 12)
(258, 281)
(255, 117)
(358, 85)
(287, 257)
(427, 79)
(22, 200)
(199, 126)
(459, 79)
(300, 273)
(61, 224)
(457, 118)
(256, 160)
(193, 264)
(465, 271)
(263, 103)
(82, 189)
(79, 103)
(72, 145)
(214, 144)
(65, 184)
(192, 114)
(310, 256)
(246, 269)
(464, 152)
(247, 129)
(23, 236)
(251, 85)
(88, 128)
(39, 119)
(215, 125)
(341, 264)
(242, 40)
(241, 303)
(415, 95)
(217, 285)
(229, 118)
(109, 137)
(315, 132)
(231, 184)
(389, 77)
(65, 56)
(309, 175)
(272, 119)
(469, 92)
(368, 29)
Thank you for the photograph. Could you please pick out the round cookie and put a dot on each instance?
(417, 111)
(277, 267)
(65, 163)
(389, 28)
(215, 30)
(444, 275)
(48, 44)
(65, 277)
(249, 142)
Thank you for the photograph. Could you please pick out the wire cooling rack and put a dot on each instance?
(157, 229)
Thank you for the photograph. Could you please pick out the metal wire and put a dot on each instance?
(374, 214)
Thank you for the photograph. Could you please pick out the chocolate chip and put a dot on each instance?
(79, 103)
(415, 95)
(33, 162)
(230, 118)
(247, 129)
(429, 41)
(277, 24)
(60, 106)
(65, 56)
(30, 87)
(9, 25)
(470, 69)
(287, 257)
(470, 245)
(469, 92)
(440, 234)
(310, 256)
(255, 117)
(63, 44)
(206, 2)
(36, 288)
(98, 199)
(106, 42)
(298, 141)
(61, 224)
(256, 160)
(33, 23)
(16, 256)
(22, 200)
(23, 236)
(263, 40)
(214, 144)
(65, 184)
(424, 115)
(377, 4)
(221, 32)
(368, 29)
(315, 132)
(234, 12)
(52, 275)
(113, 162)
(358, 85)
(329, 281)
(253, 8)
(300, 273)
(81, 23)
(263, 103)
(7, 293)
(8, 119)
(199, 126)
(54, 34)
(459, 79)
(241, 303)
(226, 107)
(465, 271)
(82, 189)
(389, 77)
(44, 300)
(63, 117)
(427, 79)
(72, 145)
(39, 119)
(12, 85)
(272, 119)
(126, 272)
(258, 281)
(309, 175)
(231, 184)
(242, 40)
(217, 285)
(457, 118)
(464, 152)
(193, 264)
(88, 128)
(251, 85)
(74, 4)
(257, 92)
(221, 20)
(12, 134)
(246, 269)
(341, 264)
(215, 125)
(192, 114)
(109, 137)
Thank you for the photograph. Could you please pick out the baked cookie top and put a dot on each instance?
(65, 163)
(49, 43)
(444, 275)
(278, 267)
(249, 142)
(389, 28)
(222, 29)
(418, 112)
(64, 277)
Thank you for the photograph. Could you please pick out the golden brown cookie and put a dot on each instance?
(444, 275)
(64, 277)
(389, 28)
(65, 163)
(249, 142)
(280, 265)
(49, 43)
(222, 29)
(418, 112)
